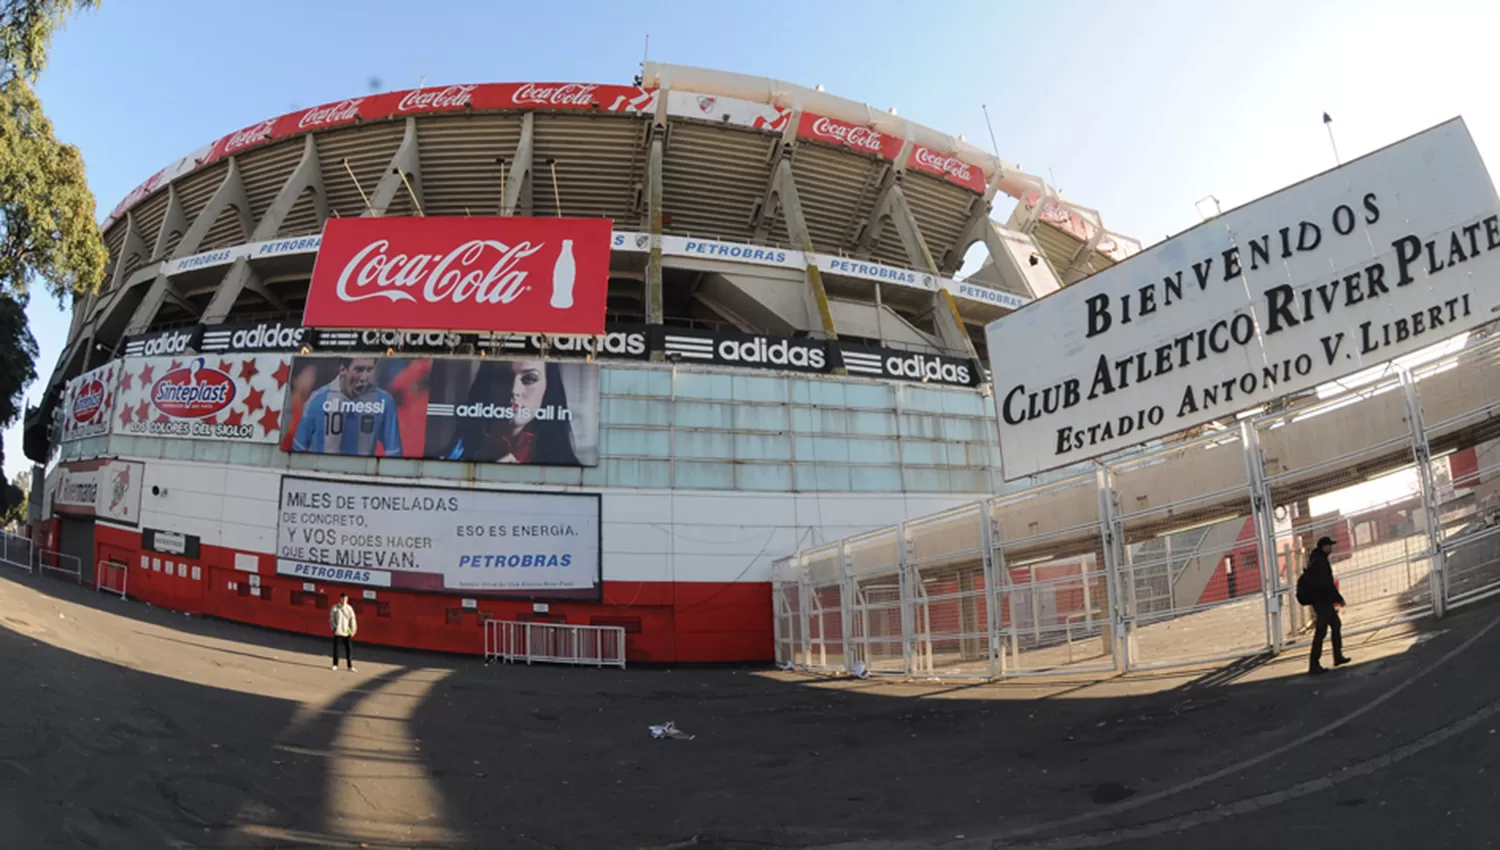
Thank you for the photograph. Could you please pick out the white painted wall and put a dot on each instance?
(649, 535)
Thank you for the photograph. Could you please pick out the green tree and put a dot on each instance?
(47, 227)
(17, 495)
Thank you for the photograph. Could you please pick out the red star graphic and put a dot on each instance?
(163, 419)
(270, 421)
(254, 400)
(146, 376)
(282, 374)
(176, 364)
(225, 366)
(247, 369)
(142, 413)
(125, 416)
(234, 417)
(124, 382)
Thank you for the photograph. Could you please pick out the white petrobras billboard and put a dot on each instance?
(542, 545)
(1370, 261)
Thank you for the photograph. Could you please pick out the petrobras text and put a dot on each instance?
(875, 271)
(345, 575)
(985, 295)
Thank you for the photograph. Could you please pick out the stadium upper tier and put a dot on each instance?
(867, 216)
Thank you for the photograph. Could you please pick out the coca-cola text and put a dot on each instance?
(459, 276)
(452, 97)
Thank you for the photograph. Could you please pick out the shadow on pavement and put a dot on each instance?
(548, 757)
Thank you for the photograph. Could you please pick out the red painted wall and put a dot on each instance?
(664, 621)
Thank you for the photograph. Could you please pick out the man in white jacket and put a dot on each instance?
(341, 619)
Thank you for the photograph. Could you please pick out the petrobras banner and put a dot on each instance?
(984, 294)
(89, 403)
(1374, 260)
(494, 273)
(531, 544)
(709, 249)
(480, 410)
(106, 489)
(252, 250)
(878, 272)
(728, 110)
(237, 398)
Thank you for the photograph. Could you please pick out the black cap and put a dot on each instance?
(1325, 541)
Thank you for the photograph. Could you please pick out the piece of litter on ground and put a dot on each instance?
(859, 671)
(669, 730)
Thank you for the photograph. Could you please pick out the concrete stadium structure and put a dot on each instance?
(790, 358)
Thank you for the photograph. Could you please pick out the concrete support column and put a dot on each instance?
(306, 177)
(405, 167)
(517, 196)
(654, 310)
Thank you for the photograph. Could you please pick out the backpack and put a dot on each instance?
(1304, 592)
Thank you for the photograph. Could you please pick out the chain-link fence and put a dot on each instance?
(1186, 554)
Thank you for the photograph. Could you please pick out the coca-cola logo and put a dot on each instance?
(567, 94)
(88, 401)
(481, 270)
(451, 97)
(194, 391)
(944, 164)
(859, 138)
(249, 136)
(331, 113)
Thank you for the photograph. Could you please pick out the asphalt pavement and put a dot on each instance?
(126, 726)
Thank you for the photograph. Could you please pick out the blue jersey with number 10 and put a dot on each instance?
(333, 423)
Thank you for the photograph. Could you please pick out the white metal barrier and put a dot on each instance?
(51, 560)
(554, 643)
(112, 577)
(16, 551)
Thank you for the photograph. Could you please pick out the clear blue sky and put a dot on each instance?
(1137, 109)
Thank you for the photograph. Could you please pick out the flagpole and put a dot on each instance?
(1328, 123)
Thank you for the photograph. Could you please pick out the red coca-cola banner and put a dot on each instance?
(852, 136)
(950, 168)
(516, 275)
(485, 96)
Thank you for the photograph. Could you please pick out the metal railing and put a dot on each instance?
(554, 643)
(16, 551)
(111, 577)
(53, 561)
(1185, 554)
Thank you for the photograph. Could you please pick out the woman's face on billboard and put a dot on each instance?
(528, 387)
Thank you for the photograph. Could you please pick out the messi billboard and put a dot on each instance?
(486, 410)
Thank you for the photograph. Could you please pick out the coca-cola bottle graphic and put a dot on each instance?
(562, 277)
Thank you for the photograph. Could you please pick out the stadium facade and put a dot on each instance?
(788, 359)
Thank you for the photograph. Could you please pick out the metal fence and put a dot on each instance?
(111, 577)
(554, 643)
(1185, 554)
(16, 551)
(59, 564)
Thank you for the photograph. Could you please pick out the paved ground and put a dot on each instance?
(123, 726)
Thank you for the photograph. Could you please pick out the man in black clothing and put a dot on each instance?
(1323, 595)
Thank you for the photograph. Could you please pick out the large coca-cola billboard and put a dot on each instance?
(853, 136)
(950, 168)
(499, 274)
